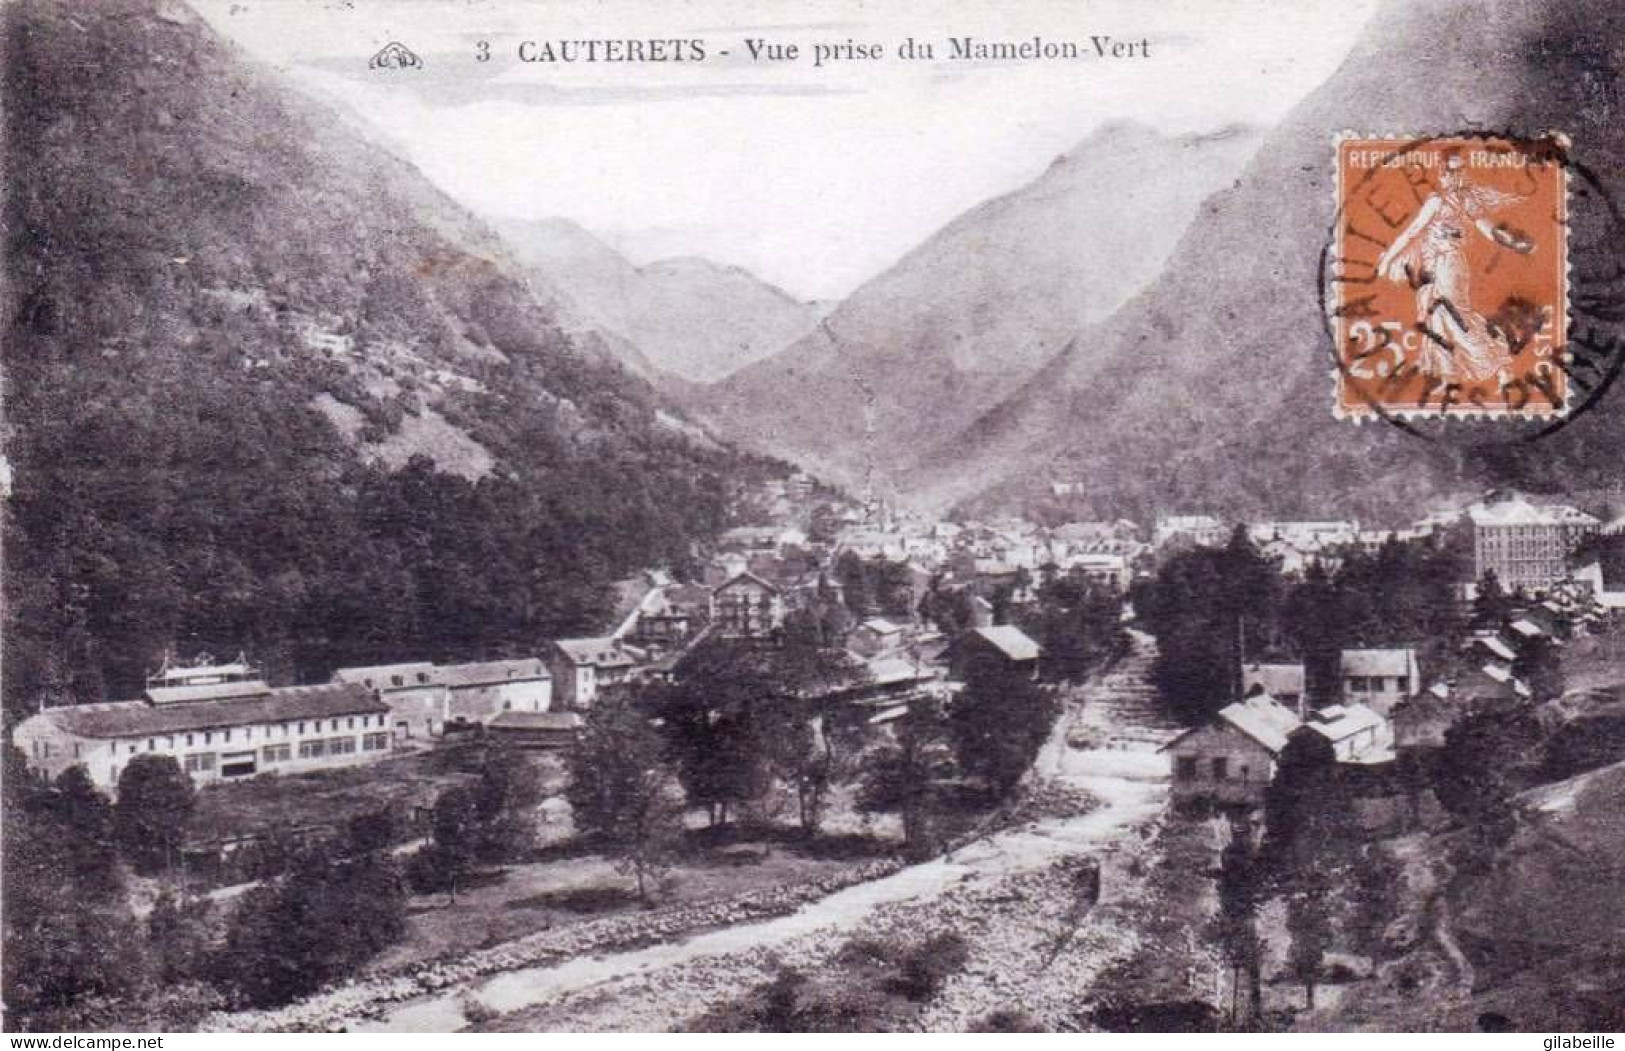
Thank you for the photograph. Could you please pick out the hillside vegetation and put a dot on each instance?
(267, 388)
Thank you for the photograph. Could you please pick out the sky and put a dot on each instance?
(812, 178)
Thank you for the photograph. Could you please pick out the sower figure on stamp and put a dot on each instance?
(1431, 256)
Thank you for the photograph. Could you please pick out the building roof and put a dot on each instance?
(1009, 640)
(880, 625)
(280, 705)
(885, 671)
(380, 676)
(742, 576)
(604, 652)
(1527, 628)
(176, 673)
(1495, 644)
(1339, 722)
(1278, 680)
(486, 673)
(1519, 511)
(536, 721)
(1262, 718)
(1393, 661)
(210, 691)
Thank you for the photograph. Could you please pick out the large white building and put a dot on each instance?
(1525, 545)
(217, 722)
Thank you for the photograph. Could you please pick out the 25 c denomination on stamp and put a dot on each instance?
(1448, 277)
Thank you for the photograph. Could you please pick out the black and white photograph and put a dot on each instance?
(812, 516)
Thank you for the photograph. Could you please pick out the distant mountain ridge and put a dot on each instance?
(922, 350)
(1211, 388)
(687, 317)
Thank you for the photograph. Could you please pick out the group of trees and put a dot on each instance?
(488, 822)
(875, 585)
(746, 730)
(77, 954)
(1077, 621)
(1213, 608)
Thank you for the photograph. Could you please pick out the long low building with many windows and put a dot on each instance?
(227, 724)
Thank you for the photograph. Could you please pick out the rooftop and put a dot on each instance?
(1262, 718)
(283, 704)
(603, 652)
(1340, 722)
(485, 673)
(1394, 661)
(1009, 640)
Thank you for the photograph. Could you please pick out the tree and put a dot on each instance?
(1492, 606)
(1488, 756)
(735, 717)
(155, 803)
(507, 795)
(1000, 721)
(1308, 919)
(446, 861)
(902, 777)
(1317, 625)
(69, 934)
(180, 937)
(77, 804)
(621, 791)
(372, 832)
(1240, 893)
(288, 937)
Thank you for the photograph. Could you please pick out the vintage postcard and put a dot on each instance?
(761, 516)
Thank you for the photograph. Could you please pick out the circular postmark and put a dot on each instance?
(1471, 276)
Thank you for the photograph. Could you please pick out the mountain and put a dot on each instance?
(266, 387)
(1211, 388)
(923, 349)
(688, 318)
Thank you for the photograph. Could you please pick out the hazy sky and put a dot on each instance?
(815, 179)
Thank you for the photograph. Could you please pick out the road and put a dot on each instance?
(999, 891)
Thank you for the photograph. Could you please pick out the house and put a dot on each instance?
(1111, 570)
(481, 691)
(1284, 682)
(1489, 645)
(230, 729)
(1004, 644)
(1356, 733)
(1380, 678)
(536, 729)
(1524, 545)
(875, 636)
(1490, 682)
(746, 606)
(1231, 758)
(1200, 529)
(415, 693)
(1420, 722)
(585, 669)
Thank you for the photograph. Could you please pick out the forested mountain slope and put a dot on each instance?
(267, 388)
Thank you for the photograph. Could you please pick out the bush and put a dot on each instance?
(927, 965)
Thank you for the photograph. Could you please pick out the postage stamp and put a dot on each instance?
(1448, 277)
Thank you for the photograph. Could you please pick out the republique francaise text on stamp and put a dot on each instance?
(1448, 283)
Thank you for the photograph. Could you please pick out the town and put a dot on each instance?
(841, 690)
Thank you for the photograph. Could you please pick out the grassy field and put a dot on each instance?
(569, 883)
(332, 797)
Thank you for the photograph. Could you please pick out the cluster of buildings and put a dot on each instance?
(1231, 759)
(224, 721)
(1382, 712)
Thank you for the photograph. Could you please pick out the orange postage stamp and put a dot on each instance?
(1447, 277)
